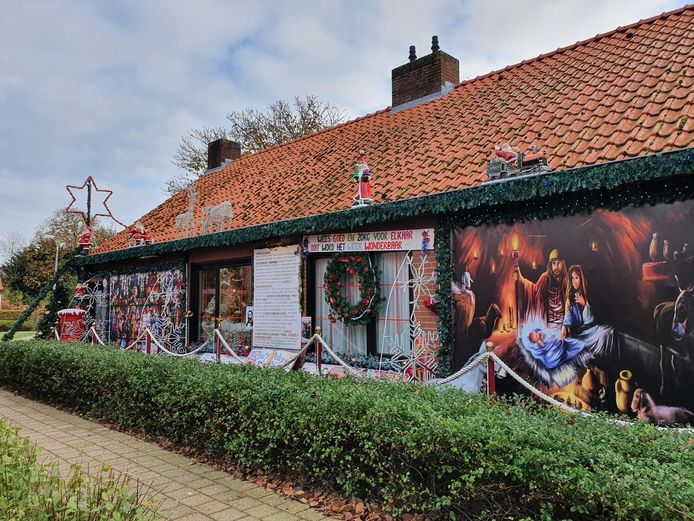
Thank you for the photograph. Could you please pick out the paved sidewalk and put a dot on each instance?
(188, 491)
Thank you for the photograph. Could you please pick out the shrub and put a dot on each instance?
(414, 448)
(33, 491)
(5, 325)
(10, 314)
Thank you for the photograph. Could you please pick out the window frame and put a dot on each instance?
(371, 327)
(195, 271)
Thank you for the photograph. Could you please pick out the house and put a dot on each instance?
(571, 266)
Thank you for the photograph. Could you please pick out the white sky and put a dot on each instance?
(108, 88)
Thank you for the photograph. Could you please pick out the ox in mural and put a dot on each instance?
(597, 310)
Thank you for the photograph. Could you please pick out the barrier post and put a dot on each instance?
(319, 352)
(149, 343)
(491, 375)
(217, 346)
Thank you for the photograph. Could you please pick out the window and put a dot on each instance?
(390, 330)
(223, 292)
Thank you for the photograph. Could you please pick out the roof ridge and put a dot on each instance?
(559, 50)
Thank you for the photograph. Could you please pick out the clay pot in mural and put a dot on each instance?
(666, 250)
(588, 381)
(653, 248)
(622, 388)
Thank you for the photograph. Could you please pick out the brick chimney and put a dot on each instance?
(425, 77)
(221, 150)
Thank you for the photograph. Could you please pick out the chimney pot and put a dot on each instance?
(219, 150)
(435, 43)
(413, 53)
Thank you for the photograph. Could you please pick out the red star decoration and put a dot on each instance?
(72, 189)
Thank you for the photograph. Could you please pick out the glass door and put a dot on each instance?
(236, 297)
(208, 302)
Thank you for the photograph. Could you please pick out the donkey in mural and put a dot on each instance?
(674, 322)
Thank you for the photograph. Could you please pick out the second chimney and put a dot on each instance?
(424, 76)
(221, 150)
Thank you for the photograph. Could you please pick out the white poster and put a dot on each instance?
(276, 307)
(393, 240)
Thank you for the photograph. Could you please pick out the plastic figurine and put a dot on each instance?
(87, 240)
(362, 175)
(139, 235)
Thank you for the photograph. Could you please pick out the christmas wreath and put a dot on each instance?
(357, 265)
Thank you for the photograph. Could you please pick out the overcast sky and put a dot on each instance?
(107, 88)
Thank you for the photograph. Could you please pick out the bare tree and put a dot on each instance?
(10, 243)
(255, 131)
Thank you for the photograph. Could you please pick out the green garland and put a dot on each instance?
(444, 274)
(360, 266)
(67, 265)
(664, 175)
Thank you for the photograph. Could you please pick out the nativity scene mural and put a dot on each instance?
(595, 310)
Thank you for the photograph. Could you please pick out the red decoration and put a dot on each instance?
(91, 189)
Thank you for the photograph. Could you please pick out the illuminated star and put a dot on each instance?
(94, 199)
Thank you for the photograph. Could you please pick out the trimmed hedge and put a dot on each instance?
(33, 491)
(5, 325)
(412, 448)
(10, 314)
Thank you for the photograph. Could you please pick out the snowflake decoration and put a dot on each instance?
(420, 282)
(421, 356)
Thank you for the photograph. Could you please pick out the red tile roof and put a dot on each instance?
(625, 93)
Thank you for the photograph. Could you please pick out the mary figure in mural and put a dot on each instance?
(555, 342)
(579, 322)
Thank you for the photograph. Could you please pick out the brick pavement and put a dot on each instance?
(187, 491)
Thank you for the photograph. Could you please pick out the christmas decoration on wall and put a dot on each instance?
(362, 176)
(414, 350)
(185, 222)
(340, 268)
(426, 240)
(154, 300)
(139, 235)
(216, 218)
(510, 162)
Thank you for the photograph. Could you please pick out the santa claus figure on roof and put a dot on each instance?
(362, 175)
(139, 235)
(87, 239)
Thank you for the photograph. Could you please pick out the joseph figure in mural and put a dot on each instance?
(546, 298)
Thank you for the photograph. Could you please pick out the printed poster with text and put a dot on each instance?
(277, 320)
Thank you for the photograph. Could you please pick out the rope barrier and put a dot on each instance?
(476, 362)
(93, 332)
(227, 347)
(144, 333)
(339, 360)
(171, 353)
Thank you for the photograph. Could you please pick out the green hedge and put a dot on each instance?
(33, 491)
(10, 314)
(5, 325)
(414, 448)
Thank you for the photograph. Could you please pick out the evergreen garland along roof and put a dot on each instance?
(656, 178)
